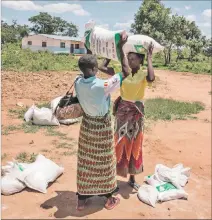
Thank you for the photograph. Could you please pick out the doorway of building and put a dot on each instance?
(72, 48)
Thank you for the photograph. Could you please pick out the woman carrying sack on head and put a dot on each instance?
(129, 115)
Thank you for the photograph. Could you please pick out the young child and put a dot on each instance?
(96, 167)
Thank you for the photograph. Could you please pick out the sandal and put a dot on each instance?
(81, 204)
(134, 185)
(114, 201)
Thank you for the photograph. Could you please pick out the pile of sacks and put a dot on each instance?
(37, 175)
(46, 116)
(165, 184)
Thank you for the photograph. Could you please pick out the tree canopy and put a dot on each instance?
(172, 31)
(44, 23)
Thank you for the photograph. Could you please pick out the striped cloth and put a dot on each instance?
(96, 166)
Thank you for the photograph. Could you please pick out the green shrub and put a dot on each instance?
(17, 59)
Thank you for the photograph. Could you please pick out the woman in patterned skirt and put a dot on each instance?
(96, 166)
(129, 112)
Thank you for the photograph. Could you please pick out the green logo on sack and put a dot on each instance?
(139, 48)
(165, 187)
(87, 38)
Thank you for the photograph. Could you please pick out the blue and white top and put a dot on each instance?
(94, 93)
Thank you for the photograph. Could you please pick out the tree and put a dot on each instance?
(154, 20)
(44, 23)
(171, 31)
(13, 33)
(194, 39)
(207, 50)
(71, 30)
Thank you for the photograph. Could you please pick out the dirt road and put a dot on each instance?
(169, 143)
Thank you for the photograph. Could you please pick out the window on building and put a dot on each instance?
(62, 45)
(44, 44)
(76, 46)
(29, 42)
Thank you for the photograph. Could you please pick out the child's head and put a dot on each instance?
(88, 65)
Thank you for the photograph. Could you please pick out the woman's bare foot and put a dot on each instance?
(81, 204)
(112, 202)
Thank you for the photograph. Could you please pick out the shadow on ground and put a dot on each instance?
(66, 201)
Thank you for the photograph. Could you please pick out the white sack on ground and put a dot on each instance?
(10, 183)
(39, 174)
(148, 194)
(29, 114)
(55, 102)
(178, 175)
(167, 182)
(44, 116)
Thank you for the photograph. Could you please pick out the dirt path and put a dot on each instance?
(187, 142)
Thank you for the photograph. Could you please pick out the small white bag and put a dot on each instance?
(39, 174)
(55, 102)
(29, 114)
(9, 182)
(44, 116)
(148, 194)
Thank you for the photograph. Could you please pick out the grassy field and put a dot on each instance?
(17, 59)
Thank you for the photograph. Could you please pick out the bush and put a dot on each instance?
(194, 67)
(17, 59)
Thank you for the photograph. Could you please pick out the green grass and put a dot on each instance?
(3, 156)
(51, 131)
(69, 153)
(44, 104)
(25, 157)
(17, 59)
(46, 151)
(168, 109)
(19, 112)
(8, 129)
(65, 145)
(193, 67)
(28, 127)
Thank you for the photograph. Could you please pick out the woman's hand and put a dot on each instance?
(151, 75)
(124, 37)
(150, 50)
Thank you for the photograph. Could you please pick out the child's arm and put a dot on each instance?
(105, 69)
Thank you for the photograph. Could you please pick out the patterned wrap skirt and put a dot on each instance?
(96, 165)
(129, 124)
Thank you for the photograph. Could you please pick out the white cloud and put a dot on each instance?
(176, 9)
(56, 7)
(204, 24)
(105, 26)
(191, 17)
(207, 13)
(187, 7)
(125, 25)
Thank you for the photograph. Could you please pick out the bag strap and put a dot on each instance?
(67, 93)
